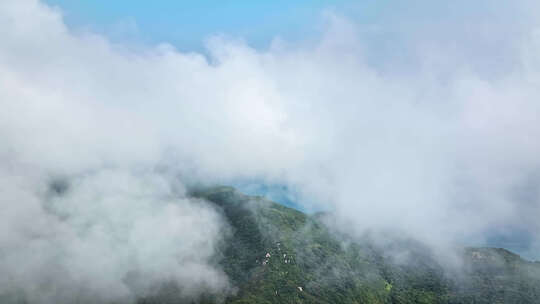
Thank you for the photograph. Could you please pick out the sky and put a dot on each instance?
(412, 118)
(186, 24)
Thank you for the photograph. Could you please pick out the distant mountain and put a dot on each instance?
(276, 254)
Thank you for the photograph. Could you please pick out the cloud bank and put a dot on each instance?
(434, 134)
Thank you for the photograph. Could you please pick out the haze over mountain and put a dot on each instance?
(424, 130)
(298, 260)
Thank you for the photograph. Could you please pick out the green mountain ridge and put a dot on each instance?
(276, 254)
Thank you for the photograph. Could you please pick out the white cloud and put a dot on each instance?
(439, 147)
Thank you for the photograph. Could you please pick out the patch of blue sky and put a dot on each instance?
(187, 24)
(278, 193)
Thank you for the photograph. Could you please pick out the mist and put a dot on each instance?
(431, 131)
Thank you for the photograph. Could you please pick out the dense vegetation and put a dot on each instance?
(279, 255)
(275, 254)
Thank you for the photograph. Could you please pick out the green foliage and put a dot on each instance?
(309, 264)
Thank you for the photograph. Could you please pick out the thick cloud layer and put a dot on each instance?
(106, 235)
(434, 137)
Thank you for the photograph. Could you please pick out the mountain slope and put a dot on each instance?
(279, 255)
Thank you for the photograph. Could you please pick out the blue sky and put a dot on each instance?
(187, 23)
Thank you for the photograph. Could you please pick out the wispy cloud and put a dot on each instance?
(438, 141)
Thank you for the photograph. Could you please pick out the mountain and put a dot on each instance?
(276, 254)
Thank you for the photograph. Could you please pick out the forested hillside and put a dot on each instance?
(277, 254)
